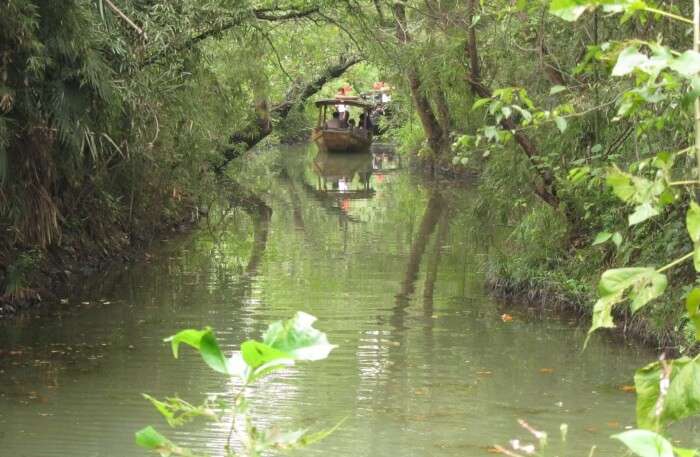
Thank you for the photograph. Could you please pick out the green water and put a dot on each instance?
(391, 266)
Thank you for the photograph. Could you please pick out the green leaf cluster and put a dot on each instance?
(667, 392)
(283, 344)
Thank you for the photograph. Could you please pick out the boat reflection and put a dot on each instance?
(344, 174)
(343, 183)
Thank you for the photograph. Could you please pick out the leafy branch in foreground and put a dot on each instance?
(667, 391)
(282, 345)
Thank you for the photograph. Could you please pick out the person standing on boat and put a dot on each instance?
(344, 111)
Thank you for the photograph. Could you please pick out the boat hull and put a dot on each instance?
(342, 140)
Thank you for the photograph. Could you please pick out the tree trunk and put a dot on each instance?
(433, 131)
(544, 186)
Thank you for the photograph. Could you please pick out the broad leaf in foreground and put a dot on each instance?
(645, 443)
(682, 399)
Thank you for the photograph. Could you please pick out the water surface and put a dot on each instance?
(390, 264)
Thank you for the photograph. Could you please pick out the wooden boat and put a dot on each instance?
(343, 138)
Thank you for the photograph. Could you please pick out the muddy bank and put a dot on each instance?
(551, 298)
(60, 269)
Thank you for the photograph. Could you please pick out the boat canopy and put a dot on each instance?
(349, 101)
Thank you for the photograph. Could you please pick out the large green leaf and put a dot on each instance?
(629, 59)
(601, 238)
(692, 221)
(646, 383)
(645, 443)
(644, 284)
(642, 213)
(687, 64)
(569, 10)
(256, 353)
(602, 314)
(682, 399)
(618, 280)
(284, 343)
(621, 184)
(205, 342)
(298, 338)
(561, 123)
(646, 289)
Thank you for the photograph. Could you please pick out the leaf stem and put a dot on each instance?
(675, 262)
(667, 14)
(684, 183)
(233, 418)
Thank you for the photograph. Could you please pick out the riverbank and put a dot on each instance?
(546, 263)
(45, 278)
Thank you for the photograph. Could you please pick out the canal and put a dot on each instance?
(392, 265)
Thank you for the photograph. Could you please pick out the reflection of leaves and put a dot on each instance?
(296, 439)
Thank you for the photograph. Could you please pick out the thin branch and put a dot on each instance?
(260, 14)
(126, 19)
(263, 15)
(341, 27)
(277, 55)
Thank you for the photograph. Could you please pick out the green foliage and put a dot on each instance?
(283, 344)
(645, 443)
(667, 392)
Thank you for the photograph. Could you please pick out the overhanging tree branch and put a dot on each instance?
(261, 126)
(266, 14)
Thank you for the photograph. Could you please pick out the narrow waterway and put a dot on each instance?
(426, 365)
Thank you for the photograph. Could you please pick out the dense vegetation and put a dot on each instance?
(118, 119)
(116, 116)
(115, 119)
